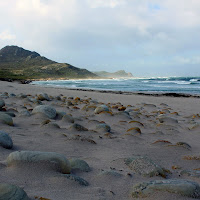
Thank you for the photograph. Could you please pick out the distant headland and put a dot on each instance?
(17, 63)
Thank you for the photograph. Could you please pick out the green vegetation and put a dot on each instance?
(18, 63)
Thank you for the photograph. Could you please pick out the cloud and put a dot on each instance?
(146, 35)
(105, 3)
(6, 35)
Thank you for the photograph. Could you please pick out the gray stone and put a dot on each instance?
(170, 120)
(79, 164)
(5, 140)
(43, 96)
(193, 173)
(68, 118)
(78, 179)
(9, 113)
(49, 111)
(52, 125)
(182, 187)
(12, 192)
(6, 119)
(25, 113)
(103, 127)
(101, 108)
(78, 127)
(2, 103)
(37, 156)
(21, 95)
(12, 95)
(144, 166)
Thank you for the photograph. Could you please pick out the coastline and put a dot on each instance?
(155, 94)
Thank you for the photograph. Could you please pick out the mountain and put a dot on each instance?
(18, 63)
(118, 74)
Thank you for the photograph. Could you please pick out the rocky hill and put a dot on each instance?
(18, 63)
(118, 74)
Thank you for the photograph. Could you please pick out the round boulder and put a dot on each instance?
(79, 164)
(12, 192)
(49, 111)
(6, 119)
(37, 156)
(5, 140)
(2, 103)
(100, 109)
(182, 187)
(43, 96)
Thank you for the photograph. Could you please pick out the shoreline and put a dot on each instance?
(155, 94)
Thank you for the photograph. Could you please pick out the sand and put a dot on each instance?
(162, 129)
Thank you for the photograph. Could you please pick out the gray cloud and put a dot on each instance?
(145, 37)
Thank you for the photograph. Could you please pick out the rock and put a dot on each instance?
(37, 156)
(144, 166)
(2, 103)
(170, 120)
(101, 108)
(6, 119)
(52, 125)
(184, 144)
(5, 140)
(134, 131)
(193, 173)
(89, 108)
(25, 113)
(59, 115)
(43, 96)
(21, 95)
(12, 95)
(78, 127)
(12, 192)
(79, 164)
(69, 103)
(49, 111)
(68, 118)
(78, 179)
(182, 187)
(9, 113)
(123, 115)
(103, 127)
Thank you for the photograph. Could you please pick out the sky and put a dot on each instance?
(148, 38)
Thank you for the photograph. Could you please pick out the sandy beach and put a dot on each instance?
(102, 144)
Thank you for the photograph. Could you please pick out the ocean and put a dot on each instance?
(186, 85)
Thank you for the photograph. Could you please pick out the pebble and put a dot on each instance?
(37, 156)
(43, 96)
(101, 108)
(78, 179)
(144, 166)
(193, 173)
(12, 192)
(79, 164)
(49, 111)
(78, 127)
(6, 119)
(68, 118)
(182, 187)
(2, 103)
(171, 120)
(5, 140)
(103, 127)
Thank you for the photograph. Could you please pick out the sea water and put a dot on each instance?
(188, 85)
